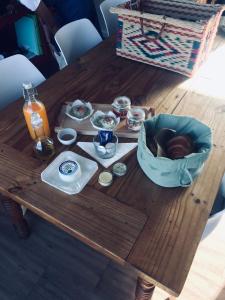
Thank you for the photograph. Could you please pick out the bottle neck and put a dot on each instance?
(30, 95)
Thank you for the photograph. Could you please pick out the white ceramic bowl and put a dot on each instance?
(67, 136)
(78, 103)
(99, 114)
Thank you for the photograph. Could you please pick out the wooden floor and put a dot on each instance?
(51, 265)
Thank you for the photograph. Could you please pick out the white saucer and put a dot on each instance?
(51, 175)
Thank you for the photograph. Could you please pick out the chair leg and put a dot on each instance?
(144, 290)
(15, 213)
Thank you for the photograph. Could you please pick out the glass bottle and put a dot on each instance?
(33, 105)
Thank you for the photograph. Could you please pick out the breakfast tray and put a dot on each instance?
(84, 127)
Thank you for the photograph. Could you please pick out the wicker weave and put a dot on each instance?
(172, 34)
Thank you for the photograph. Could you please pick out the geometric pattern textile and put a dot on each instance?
(176, 45)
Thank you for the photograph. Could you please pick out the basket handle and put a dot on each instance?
(150, 39)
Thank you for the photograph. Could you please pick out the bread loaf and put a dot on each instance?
(179, 146)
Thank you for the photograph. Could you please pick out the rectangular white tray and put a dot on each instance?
(51, 174)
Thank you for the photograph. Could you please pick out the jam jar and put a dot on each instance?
(135, 118)
(121, 105)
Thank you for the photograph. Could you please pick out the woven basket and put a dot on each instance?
(174, 34)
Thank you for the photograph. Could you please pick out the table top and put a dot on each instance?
(153, 229)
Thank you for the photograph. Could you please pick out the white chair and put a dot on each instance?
(108, 21)
(15, 70)
(218, 210)
(213, 222)
(76, 38)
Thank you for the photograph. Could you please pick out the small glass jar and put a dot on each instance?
(135, 118)
(44, 148)
(106, 151)
(121, 105)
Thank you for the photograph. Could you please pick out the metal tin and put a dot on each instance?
(105, 178)
(119, 169)
(121, 105)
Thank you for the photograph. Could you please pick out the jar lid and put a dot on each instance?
(68, 167)
(27, 85)
(105, 178)
(122, 102)
(136, 113)
(119, 169)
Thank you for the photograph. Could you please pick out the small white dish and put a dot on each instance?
(69, 170)
(51, 175)
(105, 120)
(79, 104)
(67, 136)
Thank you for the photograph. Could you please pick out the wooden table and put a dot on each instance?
(151, 229)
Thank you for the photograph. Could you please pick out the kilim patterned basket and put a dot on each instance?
(173, 34)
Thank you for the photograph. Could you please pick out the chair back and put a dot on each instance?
(215, 223)
(109, 20)
(14, 71)
(76, 38)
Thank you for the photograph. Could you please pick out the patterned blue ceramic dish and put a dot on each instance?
(69, 170)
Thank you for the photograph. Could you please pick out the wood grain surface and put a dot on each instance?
(91, 216)
(155, 230)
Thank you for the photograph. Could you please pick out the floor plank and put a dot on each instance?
(53, 265)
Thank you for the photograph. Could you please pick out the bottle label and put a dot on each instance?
(36, 120)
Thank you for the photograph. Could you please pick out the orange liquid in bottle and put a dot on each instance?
(39, 108)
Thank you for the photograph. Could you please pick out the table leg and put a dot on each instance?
(144, 289)
(15, 213)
